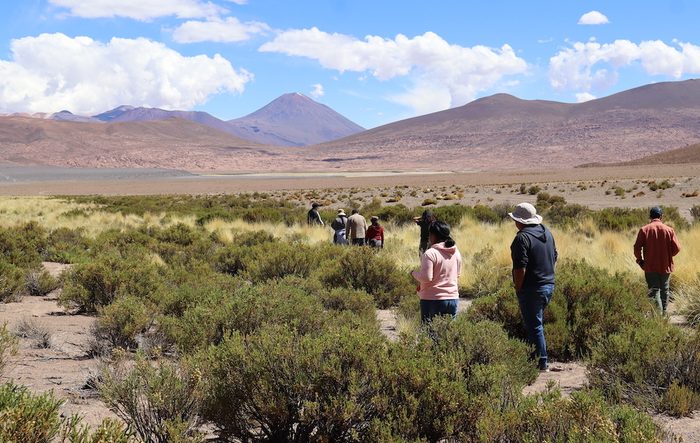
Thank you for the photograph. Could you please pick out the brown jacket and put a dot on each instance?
(357, 227)
(656, 245)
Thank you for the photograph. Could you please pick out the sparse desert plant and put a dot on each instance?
(8, 346)
(121, 322)
(39, 283)
(429, 202)
(160, 401)
(695, 212)
(488, 275)
(30, 329)
(534, 190)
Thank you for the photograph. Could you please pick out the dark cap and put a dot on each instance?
(315, 205)
(656, 212)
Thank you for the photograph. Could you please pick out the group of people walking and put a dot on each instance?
(352, 230)
(534, 256)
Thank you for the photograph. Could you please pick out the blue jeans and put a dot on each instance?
(532, 304)
(431, 308)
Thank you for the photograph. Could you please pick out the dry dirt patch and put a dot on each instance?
(63, 367)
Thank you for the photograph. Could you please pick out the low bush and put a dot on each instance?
(588, 305)
(585, 417)
(366, 270)
(67, 246)
(8, 346)
(39, 283)
(274, 261)
(160, 401)
(12, 282)
(25, 417)
(653, 365)
(121, 322)
(28, 328)
(90, 286)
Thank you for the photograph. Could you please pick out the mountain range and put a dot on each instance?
(290, 120)
(492, 133)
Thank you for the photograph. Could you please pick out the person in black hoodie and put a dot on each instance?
(534, 255)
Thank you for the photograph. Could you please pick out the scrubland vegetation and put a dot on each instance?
(227, 311)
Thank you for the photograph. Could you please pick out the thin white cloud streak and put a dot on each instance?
(442, 74)
(228, 30)
(52, 72)
(593, 18)
(143, 10)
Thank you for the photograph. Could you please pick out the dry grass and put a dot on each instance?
(610, 250)
(34, 331)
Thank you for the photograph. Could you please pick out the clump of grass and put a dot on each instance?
(30, 329)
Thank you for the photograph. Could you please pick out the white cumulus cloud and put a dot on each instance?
(442, 74)
(594, 66)
(584, 97)
(593, 18)
(51, 72)
(141, 9)
(317, 91)
(226, 30)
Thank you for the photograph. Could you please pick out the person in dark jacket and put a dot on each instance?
(339, 226)
(375, 233)
(424, 221)
(313, 218)
(534, 255)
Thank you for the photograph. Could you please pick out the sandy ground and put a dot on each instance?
(64, 367)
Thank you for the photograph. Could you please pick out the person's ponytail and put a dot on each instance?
(442, 231)
(449, 242)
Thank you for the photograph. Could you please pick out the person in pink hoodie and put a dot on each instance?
(439, 273)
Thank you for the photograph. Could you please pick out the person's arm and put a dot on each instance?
(519, 279)
(519, 255)
(348, 229)
(675, 245)
(425, 275)
(639, 247)
(381, 232)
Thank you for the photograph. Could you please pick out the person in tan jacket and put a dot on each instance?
(654, 250)
(356, 228)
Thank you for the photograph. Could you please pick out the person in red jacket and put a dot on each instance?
(375, 234)
(654, 250)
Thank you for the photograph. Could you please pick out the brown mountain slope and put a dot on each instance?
(504, 132)
(686, 155)
(172, 143)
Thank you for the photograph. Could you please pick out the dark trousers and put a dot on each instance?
(358, 241)
(532, 304)
(431, 308)
(659, 288)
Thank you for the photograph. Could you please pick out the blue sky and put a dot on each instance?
(373, 61)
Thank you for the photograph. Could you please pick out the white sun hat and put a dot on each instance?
(526, 214)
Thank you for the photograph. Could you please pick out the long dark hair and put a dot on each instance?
(428, 217)
(442, 231)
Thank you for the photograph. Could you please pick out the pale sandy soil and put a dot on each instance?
(64, 368)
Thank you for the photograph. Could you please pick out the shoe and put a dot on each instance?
(543, 366)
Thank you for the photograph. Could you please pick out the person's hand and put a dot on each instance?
(418, 287)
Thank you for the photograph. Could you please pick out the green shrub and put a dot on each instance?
(273, 261)
(695, 212)
(25, 417)
(40, 282)
(232, 260)
(276, 385)
(651, 365)
(363, 269)
(585, 417)
(67, 246)
(89, 286)
(486, 214)
(588, 305)
(12, 282)
(160, 402)
(8, 347)
(452, 214)
(120, 322)
(23, 246)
